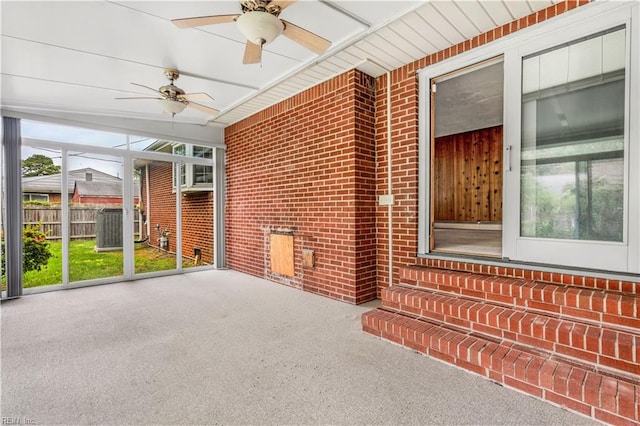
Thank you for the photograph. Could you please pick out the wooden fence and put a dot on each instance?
(82, 220)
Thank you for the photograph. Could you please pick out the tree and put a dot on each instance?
(39, 165)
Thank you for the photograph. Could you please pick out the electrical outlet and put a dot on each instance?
(386, 200)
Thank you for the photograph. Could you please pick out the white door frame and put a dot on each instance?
(589, 19)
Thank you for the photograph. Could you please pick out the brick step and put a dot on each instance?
(598, 346)
(619, 285)
(565, 301)
(611, 399)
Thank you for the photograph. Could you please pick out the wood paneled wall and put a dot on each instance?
(468, 176)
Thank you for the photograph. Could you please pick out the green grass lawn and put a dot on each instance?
(86, 264)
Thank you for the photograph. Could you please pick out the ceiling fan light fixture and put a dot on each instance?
(171, 106)
(260, 27)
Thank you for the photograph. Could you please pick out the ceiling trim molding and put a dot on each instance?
(345, 12)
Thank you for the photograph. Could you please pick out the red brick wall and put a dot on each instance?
(197, 224)
(404, 113)
(366, 280)
(161, 208)
(197, 213)
(307, 165)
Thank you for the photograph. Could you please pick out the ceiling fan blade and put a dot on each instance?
(197, 97)
(147, 87)
(252, 53)
(306, 38)
(203, 108)
(283, 4)
(200, 21)
(141, 97)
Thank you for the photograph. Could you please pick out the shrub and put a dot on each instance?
(36, 203)
(35, 249)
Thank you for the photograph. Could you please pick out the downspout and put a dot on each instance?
(389, 179)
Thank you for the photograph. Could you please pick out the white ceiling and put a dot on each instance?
(75, 57)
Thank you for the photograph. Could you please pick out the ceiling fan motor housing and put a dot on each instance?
(261, 6)
(171, 91)
(260, 27)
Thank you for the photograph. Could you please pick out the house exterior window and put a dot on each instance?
(193, 177)
(35, 197)
(202, 174)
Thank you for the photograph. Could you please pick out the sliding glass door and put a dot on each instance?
(573, 156)
(466, 161)
(570, 159)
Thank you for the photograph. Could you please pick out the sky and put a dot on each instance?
(52, 132)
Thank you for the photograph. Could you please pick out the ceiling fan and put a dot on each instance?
(173, 99)
(260, 24)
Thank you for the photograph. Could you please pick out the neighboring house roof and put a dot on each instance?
(100, 183)
(50, 184)
(42, 184)
(98, 189)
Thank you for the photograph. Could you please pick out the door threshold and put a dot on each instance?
(472, 242)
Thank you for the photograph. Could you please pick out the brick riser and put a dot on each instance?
(592, 344)
(608, 399)
(579, 281)
(575, 347)
(565, 301)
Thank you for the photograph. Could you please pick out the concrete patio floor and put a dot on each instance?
(221, 347)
